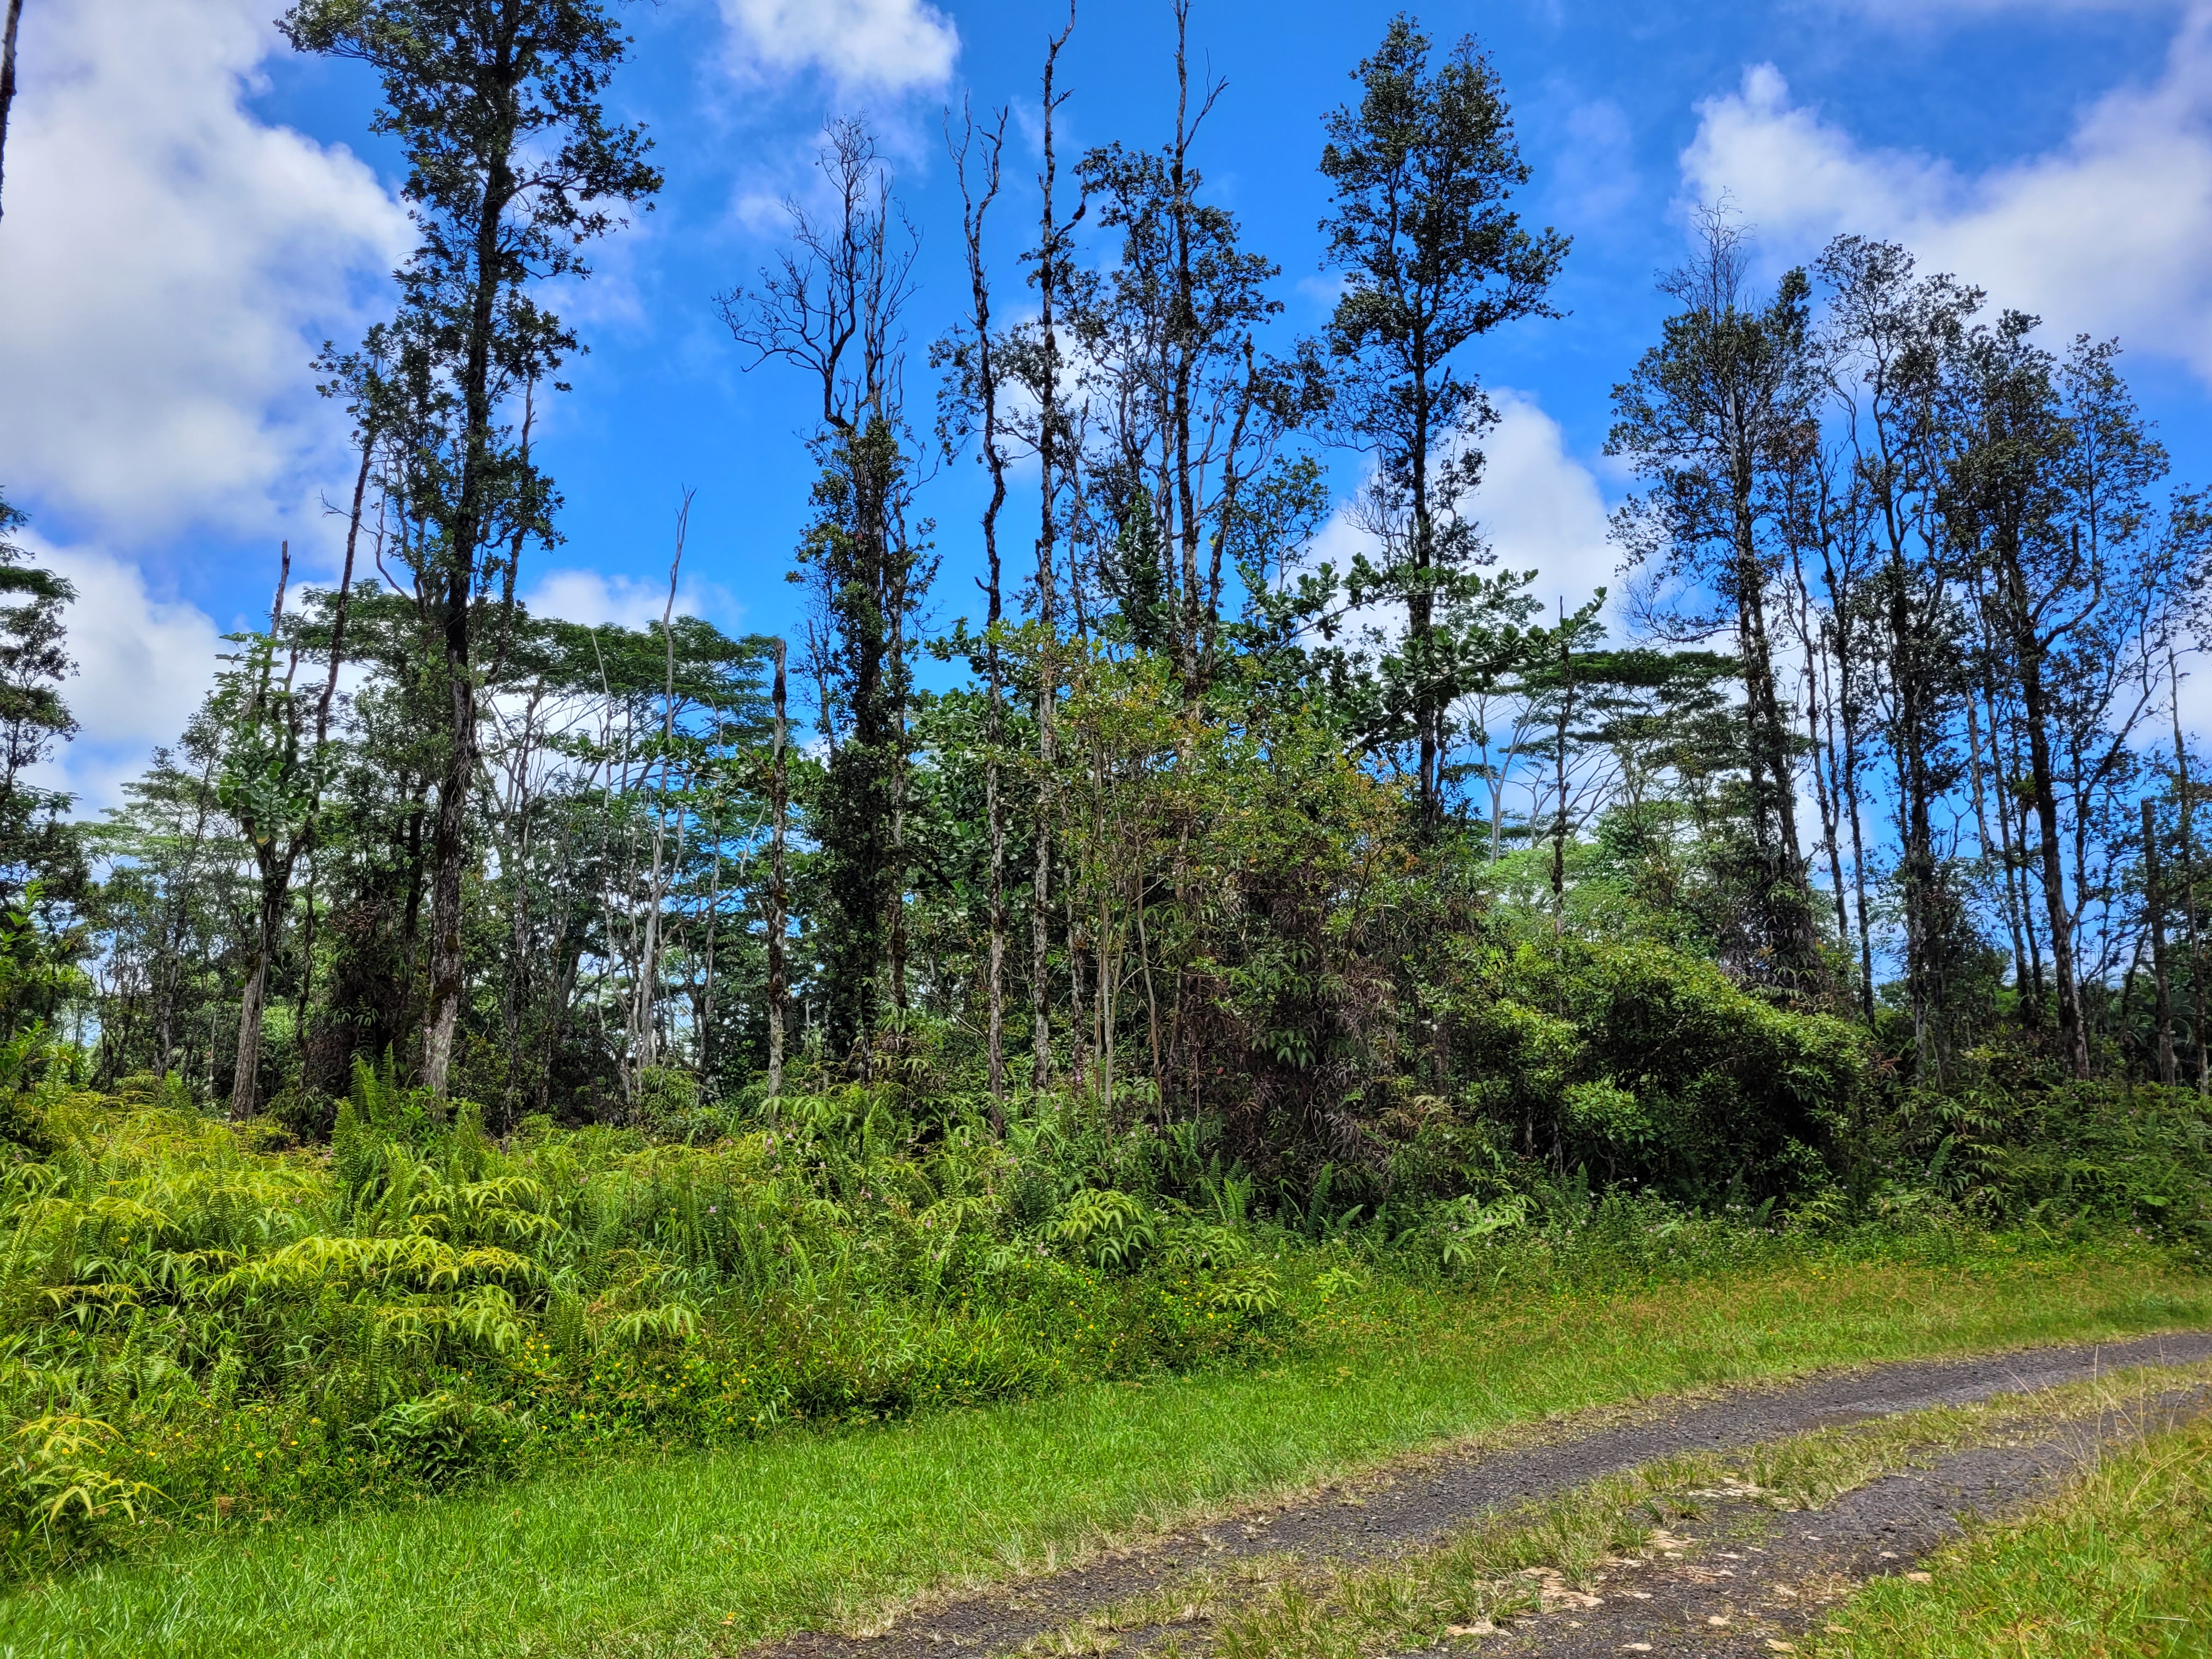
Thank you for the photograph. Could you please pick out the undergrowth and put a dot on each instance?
(207, 1325)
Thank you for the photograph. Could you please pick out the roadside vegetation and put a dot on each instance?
(706, 1552)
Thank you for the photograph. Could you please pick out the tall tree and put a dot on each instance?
(1052, 257)
(35, 661)
(2049, 494)
(975, 367)
(1889, 337)
(1711, 419)
(832, 307)
(511, 168)
(1422, 170)
(1186, 413)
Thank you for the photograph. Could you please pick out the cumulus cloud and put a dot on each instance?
(143, 663)
(1539, 507)
(171, 264)
(2110, 232)
(892, 46)
(593, 597)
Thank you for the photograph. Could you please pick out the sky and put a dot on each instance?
(191, 210)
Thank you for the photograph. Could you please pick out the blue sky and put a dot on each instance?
(190, 210)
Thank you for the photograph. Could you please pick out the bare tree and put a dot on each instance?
(832, 307)
(972, 393)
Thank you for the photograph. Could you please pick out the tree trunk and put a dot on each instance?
(449, 838)
(2072, 1037)
(449, 847)
(245, 1080)
(2154, 905)
(778, 796)
(2189, 895)
(1048, 530)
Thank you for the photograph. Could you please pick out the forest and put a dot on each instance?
(483, 1038)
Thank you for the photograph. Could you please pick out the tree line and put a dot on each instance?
(1204, 825)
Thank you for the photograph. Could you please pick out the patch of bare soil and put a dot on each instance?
(1801, 1558)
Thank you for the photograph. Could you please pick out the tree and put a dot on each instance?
(1711, 419)
(43, 876)
(34, 659)
(511, 168)
(970, 402)
(2048, 495)
(832, 308)
(1889, 338)
(1187, 414)
(1433, 259)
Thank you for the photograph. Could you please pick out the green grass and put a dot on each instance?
(702, 1554)
(2119, 1564)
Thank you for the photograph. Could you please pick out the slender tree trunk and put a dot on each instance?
(976, 208)
(705, 1014)
(2155, 906)
(245, 1080)
(1848, 779)
(449, 847)
(1820, 735)
(1040, 909)
(1560, 783)
(1048, 530)
(1916, 850)
(2189, 894)
(779, 799)
(2072, 1037)
(2028, 652)
(449, 836)
(275, 846)
(895, 956)
(2015, 897)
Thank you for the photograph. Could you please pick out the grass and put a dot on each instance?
(2119, 1564)
(704, 1554)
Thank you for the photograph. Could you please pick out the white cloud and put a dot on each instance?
(894, 46)
(593, 597)
(2110, 232)
(1540, 509)
(170, 263)
(143, 663)
(1538, 506)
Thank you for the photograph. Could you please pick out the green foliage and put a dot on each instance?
(1650, 1067)
(202, 1323)
(2063, 1156)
